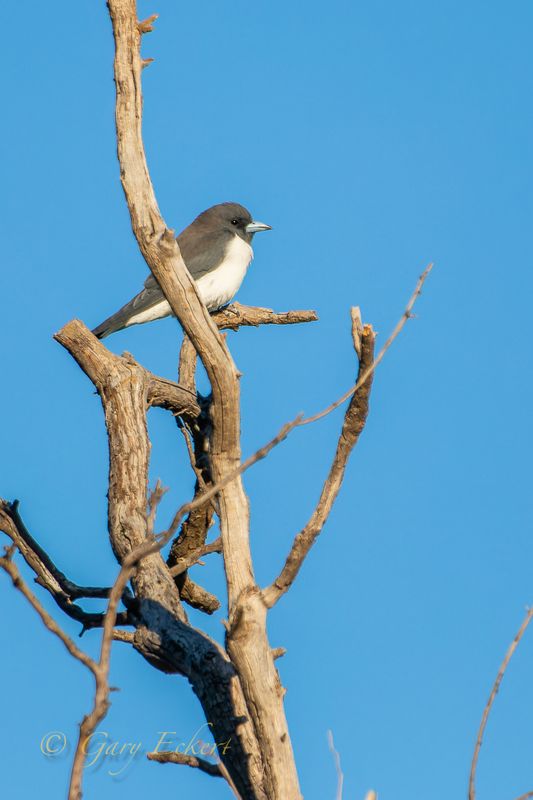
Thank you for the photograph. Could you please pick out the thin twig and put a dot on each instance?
(337, 760)
(225, 773)
(63, 590)
(367, 373)
(170, 757)
(8, 566)
(156, 495)
(101, 698)
(490, 701)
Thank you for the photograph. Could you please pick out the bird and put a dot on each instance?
(217, 250)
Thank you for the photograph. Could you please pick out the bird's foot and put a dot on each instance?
(232, 308)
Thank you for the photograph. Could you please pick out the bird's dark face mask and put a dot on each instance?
(246, 227)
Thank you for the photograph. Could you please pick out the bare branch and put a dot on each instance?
(490, 701)
(185, 563)
(162, 635)
(177, 398)
(337, 760)
(171, 757)
(63, 590)
(236, 316)
(354, 422)
(101, 697)
(147, 25)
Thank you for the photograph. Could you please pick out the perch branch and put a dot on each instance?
(237, 316)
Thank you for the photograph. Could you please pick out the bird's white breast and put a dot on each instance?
(220, 285)
(216, 288)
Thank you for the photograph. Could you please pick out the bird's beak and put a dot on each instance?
(255, 227)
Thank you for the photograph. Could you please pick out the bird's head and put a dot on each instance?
(236, 219)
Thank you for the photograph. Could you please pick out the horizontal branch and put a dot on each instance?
(97, 361)
(163, 393)
(236, 316)
(169, 757)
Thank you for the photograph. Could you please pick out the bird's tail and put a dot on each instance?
(121, 318)
(116, 322)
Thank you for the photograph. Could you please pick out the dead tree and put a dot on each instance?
(236, 682)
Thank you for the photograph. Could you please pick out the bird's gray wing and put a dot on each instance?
(203, 250)
(150, 296)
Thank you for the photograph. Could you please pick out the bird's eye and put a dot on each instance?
(234, 221)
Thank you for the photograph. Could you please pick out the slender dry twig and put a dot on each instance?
(153, 501)
(337, 760)
(101, 698)
(490, 701)
(366, 374)
(225, 773)
(8, 566)
(170, 757)
(525, 796)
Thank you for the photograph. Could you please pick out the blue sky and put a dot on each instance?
(374, 138)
